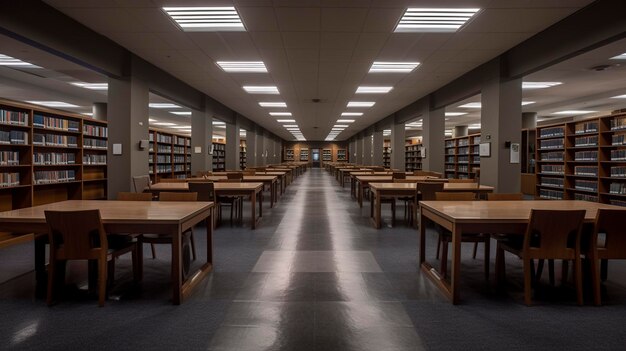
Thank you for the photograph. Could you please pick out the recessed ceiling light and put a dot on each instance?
(472, 105)
(52, 103)
(286, 120)
(373, 90)
(454, 114)
(12, 61)
(87, 113)
(151, 120)
(164, 124)
(91, 86)
(572, 112)
(290, 125)
(162, 105)
(345, 121)
(182, 113)
(280, 113)
(434, 19)
(220, 126)
(182, 127)
(393, 67)
(524, 103)
(361, 104)
(206, 19)
(217, 123)
(261, 89)
(341, 126)
(352, 114)
(619, 97)
(619, 57)
(539, 85)
(474, 126)
(273, 104)
(242, 66)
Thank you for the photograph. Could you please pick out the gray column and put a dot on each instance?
(459, 131)
(529, 120)
(251, 148)
(433, 135)
(398, 139)
(367, 150)
(501, 121)
(201, 134)
(232, 146)
(260, 149)
(359, 151)
(99, 110)
(352, 151)
(128, 124)
(377, 148)
(276, 154)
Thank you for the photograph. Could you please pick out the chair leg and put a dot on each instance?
(102, 281)
(137, 258)
(539, 269)
(438, 246)
(51, 279)
(564, 271)
(595, 279)
(111, 272)
(193, 245)
(232, 208)
(393, 213)
(579, 280)
(500, 267)
(444, 259)
(153, 251)
(475, 249)
(604, 269)
(487, 256)
(527, 281)
(551, 271)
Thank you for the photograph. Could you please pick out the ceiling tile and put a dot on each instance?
(301, 40)
(343, 19)
(339, 40)
(298, 19)
(267, 40)
(258, 18)
(382, 20)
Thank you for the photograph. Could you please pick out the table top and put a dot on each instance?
(446, 186)
(218, 186)
(246, 178)
(508, 211)
(384, 178)
(112, 211)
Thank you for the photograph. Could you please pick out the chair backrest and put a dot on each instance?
(172, 196)
(403, 181)
(553, 234)
(428, 190)
(76, 234)
(126, 196)
(140, 183)
(249, 172)
(205, 190)
(172, 180)
(377, 168)
(398, 175)
(421, 173)
(201, 174)
(454, 196)
(229, 180)
(611, 224)
(505, 196)
(261, 169)
(234, 175)
(452, 180)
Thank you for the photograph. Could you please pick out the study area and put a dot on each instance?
(312, 175)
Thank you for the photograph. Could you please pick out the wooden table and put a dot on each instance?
(410, 190)
(460, 217)
(253, 190)
(141, 217)
(365, 180)
(270, 180)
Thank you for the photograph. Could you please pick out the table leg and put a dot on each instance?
(260, 204)
(377, 196)
(177, 273)
(40, 264)
(253, 209)
(209, 238)
(359, 196)
(271, 194)
(422, 229)
(455, 279)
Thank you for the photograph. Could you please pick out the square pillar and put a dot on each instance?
(232, 146)
(201, 134)
(433, 140)
(260, 146)
(398, 140)
(377, 148)
(251, 140)
(359, 151)
(367, 150)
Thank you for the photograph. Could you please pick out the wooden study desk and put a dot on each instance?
(253, 190)
(270, 180)
(460, 217)
(410, 190)
(118, 217)
(364, 182)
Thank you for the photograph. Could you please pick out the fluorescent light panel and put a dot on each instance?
(346, 114)
(280, 113)
(182, 113)
(286, 120)
(164, 124)
(242, 66)
(273, 104)
(52, 103)
(373, 90)
(345, 121)
(393, 67)
(479, 105)
(217, 123)
(573, 112)
(454, 114)
(619, 57)
(206, 19)
(6, 60)
(539, 85)
(261, 89)
(619, 97)
(434, 19)
(341, 126)
(91, 86)
(182, 127)
(162, 105)
(361, 104)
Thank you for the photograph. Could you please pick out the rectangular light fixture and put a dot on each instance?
(217, 123)
(474, 126)
(286, 120)
(162, 105)
(345, 121)
(619, 57)
(539, 85)
(346, 114)
(164, 124)
(223, 126)
(619, 97)
(273, 104)
(372, 90)
(524, 103)
(573, 112)
(290, 125)
(206, 19)
(361, 104)
(434, 19)
(243, 66)
(472, 105)
(182, 113)
(454, 114)
(12, 61)
(87, 113)
(151, 120)
(393, 67)
(280, 113)
(91, 86)
(52, 103)
(340, 126)
(261, 89)
(182, 127)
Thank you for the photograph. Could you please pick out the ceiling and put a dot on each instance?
(317, 49)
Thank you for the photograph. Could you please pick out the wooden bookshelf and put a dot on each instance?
(387, 153)
(413, 157)
(169, 155)
(242, 154)
(219, 157)
(462, 156)
(327, 155)
(342, 155)
(304, 155)
(48, 155)
(289, 155)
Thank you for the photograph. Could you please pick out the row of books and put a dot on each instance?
(179, 159)
(13, 117)
(160, 138)
(49, 177)
(586, 127)
(450, 143)
(450, 159)
(89, 143)
(9, 179)
(551, 144)
(553, 169)
(463, 142)
(618, 202)
(476, 140)
(551, 132)
(164, 168)
(586, 141)
(54, 158)
(462, 159)
(462, 168)
(618, 172)
(94, 159)
(618, 123)
(550, 194)
(55, 140)
(618, 139)
(181, 141)
(590, 185)
(98, 131)
(591, 171)
(9, 158)
(179, 149)
(164, 159)
(586, 156)
(164, 148)
(49, 122)
(341, 155)
(552, 156)
(476, 159)
(179, 168)
(553, 182)
(450, 168)
(463, 150)
(15, 137)
(618, 155)
(586, 197)
(617, 188)
(450, 152)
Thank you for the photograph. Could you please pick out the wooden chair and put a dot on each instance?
(80, 235)
(500, 197)
(126, 196)
(398, 175)
(206, 192)
(607, 242)
(445, 236)
(551, 234)
(452, 180)
(234, 175)
(425, 192)
(141, 183)
(235, 202)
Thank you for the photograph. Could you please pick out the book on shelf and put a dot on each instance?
(49, 122)
(588, 171)
(92, 159)
(53, 158)
(586, 156)
(8, 179)
(14, 117)
(618, 139)
(96, 131)
(589, 185)
(55, 140)
(586, 127)
(551, 144)
(618, 155)
(585, 197)
(13, 137)
(586, 141)
(551, 194)
(9, 158)
(618, 171)
(553, 169)
(51, 177)
(552, 182)
(552, 156)
(89, 143)
(618, 123)
(617, 188)
(551, 132)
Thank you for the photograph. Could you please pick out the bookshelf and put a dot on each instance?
(219, 157)
(327, 155)
(462, 156)
(289, 155)
(304, 155)
(48, 156)
(169, 155)
(387, 153)
(242, 154)
(342, 155)
(412, 157)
